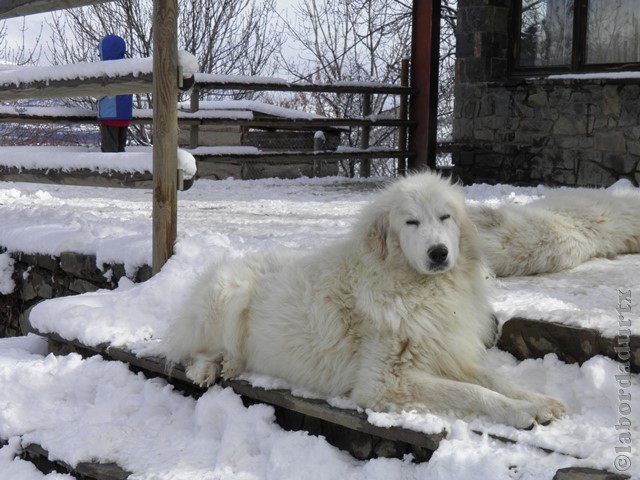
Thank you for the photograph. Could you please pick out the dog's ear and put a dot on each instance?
(377, 235)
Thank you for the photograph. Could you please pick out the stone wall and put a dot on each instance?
(39, 277)
(556, 131)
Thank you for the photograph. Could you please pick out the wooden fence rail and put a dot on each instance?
(197, 118)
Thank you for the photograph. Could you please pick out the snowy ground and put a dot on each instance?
(82, 410)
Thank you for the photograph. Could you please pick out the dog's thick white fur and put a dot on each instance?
(395, 316)
(560, 231)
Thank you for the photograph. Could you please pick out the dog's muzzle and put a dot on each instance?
(438, 257)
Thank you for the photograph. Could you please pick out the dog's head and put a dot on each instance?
(421, 217)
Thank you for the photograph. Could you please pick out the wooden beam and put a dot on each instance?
(232, 82)
(84, 177)
(77, 87)
(425, 58)
(187, 119)
(300, 156)
(165, 130)
(19, 8)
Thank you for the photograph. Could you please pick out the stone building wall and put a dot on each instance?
(39, 277)
(551, 130)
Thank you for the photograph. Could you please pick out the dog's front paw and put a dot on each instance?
(538, 410)
(548, 409)
(203, 372)
(231, 368)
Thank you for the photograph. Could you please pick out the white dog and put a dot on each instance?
(560, 231)
(395, 317)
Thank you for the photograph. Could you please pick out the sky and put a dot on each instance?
(29, 27)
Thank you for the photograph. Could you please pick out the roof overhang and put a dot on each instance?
(19, 8)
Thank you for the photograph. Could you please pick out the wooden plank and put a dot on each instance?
(274, 123)
(403, 113)
(165, 130)
(283, 398)
(365, 133)
(19, 8)
(293, 157)
(231, 83)
(76, 87)
(319, 409)
(85, 177)
(82, 177)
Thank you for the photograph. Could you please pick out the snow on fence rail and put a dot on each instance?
(84, 166)
(135, 75)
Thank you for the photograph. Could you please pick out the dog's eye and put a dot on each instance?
(445, 217)
(413, 222)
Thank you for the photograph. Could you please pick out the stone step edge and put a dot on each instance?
(40, 458)
(525, 338)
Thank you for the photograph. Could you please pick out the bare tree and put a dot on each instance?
(612, 32)
(364, 40)
(237, 37)
(18, 53)
(355, 40)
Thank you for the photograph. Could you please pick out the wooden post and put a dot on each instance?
(425, 58)
(365, 163)
(165, 130)
(194, 138)
(403, 115)
(319, 142)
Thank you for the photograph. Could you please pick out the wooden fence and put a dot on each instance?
(208, 83)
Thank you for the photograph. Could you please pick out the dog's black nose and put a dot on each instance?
(438, 254)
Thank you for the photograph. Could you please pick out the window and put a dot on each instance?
(577, 35)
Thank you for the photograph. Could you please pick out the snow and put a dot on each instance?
(229, 107)
(94, 410)
(596, 76)
(226, 150)
(7, 285)
(136, 159)
(50, 111)
(112, 68)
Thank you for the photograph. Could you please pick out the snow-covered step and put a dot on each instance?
(347, 429)
(85, 470)
(526, 338)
